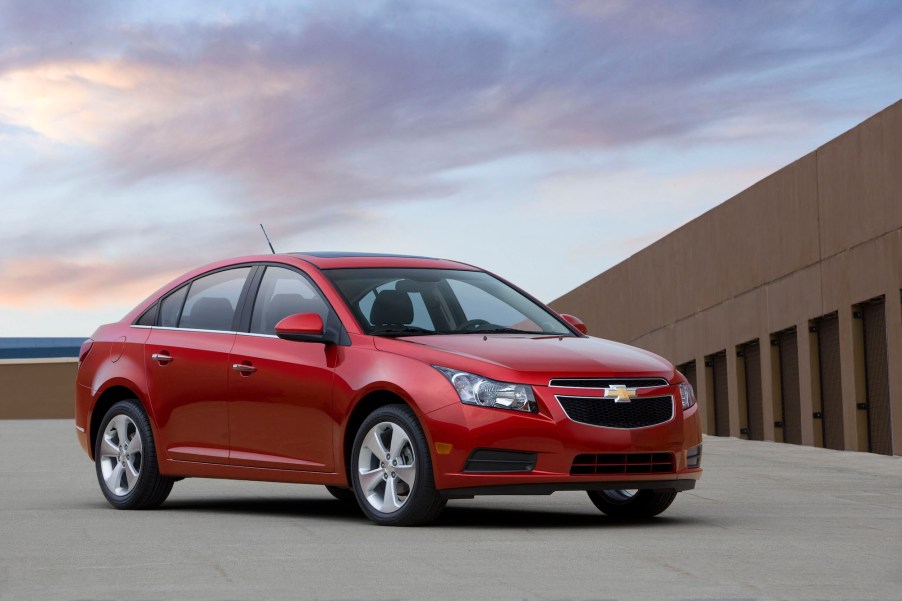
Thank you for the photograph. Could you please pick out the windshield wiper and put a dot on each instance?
(402, 331)
(498, 330)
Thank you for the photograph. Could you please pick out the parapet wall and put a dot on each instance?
(37, 388)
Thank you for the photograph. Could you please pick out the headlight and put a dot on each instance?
(687, 394)
(476, 390)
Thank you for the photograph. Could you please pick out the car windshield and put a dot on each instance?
(411, 302)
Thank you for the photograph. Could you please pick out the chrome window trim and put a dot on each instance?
(170, 328)
(205, 331)
(256, 335)
(600, 398)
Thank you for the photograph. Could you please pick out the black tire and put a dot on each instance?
(641, 505)
(150, 488)
(423, 502)
(345, 495)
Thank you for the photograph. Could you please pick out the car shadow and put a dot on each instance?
(505, 518)
(281, 507)
(454, 515)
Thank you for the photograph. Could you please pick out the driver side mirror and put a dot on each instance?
(302, 327)
(576, 322)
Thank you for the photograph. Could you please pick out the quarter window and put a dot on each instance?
(171, 307)
(284, 292)
(212, 300)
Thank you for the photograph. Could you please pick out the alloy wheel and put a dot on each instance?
(121, 455)
(619, 496)
(386, 467)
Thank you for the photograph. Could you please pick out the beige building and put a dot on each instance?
(781, 305)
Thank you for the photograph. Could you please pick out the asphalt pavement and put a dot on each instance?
(767, 521)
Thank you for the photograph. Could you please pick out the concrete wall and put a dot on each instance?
(37, 388)
(817, 237)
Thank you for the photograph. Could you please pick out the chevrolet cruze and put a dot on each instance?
(397, 382)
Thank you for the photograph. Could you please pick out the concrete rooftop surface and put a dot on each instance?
(767, 521)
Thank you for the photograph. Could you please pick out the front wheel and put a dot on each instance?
(126, 461)
(632, 504)
(391, 469)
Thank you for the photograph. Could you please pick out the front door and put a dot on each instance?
(280, 391)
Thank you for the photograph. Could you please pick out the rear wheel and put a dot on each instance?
(632, 504)
(391, 469)
(126, 461)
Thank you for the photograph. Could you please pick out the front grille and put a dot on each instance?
(607, 382)
(623, 463)
(641, 412)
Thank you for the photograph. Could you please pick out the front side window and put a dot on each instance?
(213, 299)
(405, 301)
(284, 292)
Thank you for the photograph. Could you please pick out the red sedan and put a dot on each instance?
(397, 382)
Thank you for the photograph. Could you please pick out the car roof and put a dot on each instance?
(344, 260)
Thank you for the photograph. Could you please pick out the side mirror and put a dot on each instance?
(302, 327)
(576, 322)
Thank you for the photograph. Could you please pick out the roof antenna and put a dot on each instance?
(267, 239)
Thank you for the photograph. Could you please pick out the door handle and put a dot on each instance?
(161, 357)
(244, 368)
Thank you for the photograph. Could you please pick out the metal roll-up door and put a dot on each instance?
(789, 387)
(753, 395)
(880, 439)
(831, 381)
(721, 399)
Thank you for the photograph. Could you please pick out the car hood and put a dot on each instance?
(538, 356)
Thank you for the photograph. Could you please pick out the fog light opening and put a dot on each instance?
(694, 457)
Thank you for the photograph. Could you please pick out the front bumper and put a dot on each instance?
(456, 430)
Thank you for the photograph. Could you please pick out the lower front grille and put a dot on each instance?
(623, 463)
(640, 412)
(487, 461)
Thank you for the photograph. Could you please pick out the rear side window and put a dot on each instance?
(213, 299)
(284, 292)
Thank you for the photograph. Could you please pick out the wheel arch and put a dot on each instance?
(365, 406)
(106, 399)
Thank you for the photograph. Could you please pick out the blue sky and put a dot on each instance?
(546, 141)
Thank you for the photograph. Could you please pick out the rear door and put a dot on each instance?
(280, 391)
(186, 356)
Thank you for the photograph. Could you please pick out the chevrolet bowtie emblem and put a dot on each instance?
(620, 393)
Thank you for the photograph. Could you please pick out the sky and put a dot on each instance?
(544, 141)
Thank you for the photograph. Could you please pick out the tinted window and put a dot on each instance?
(421, 318)
(441, 301)
(284, 292)
(476, 303)
(171, 307)
(149, 317)
(212, 300)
